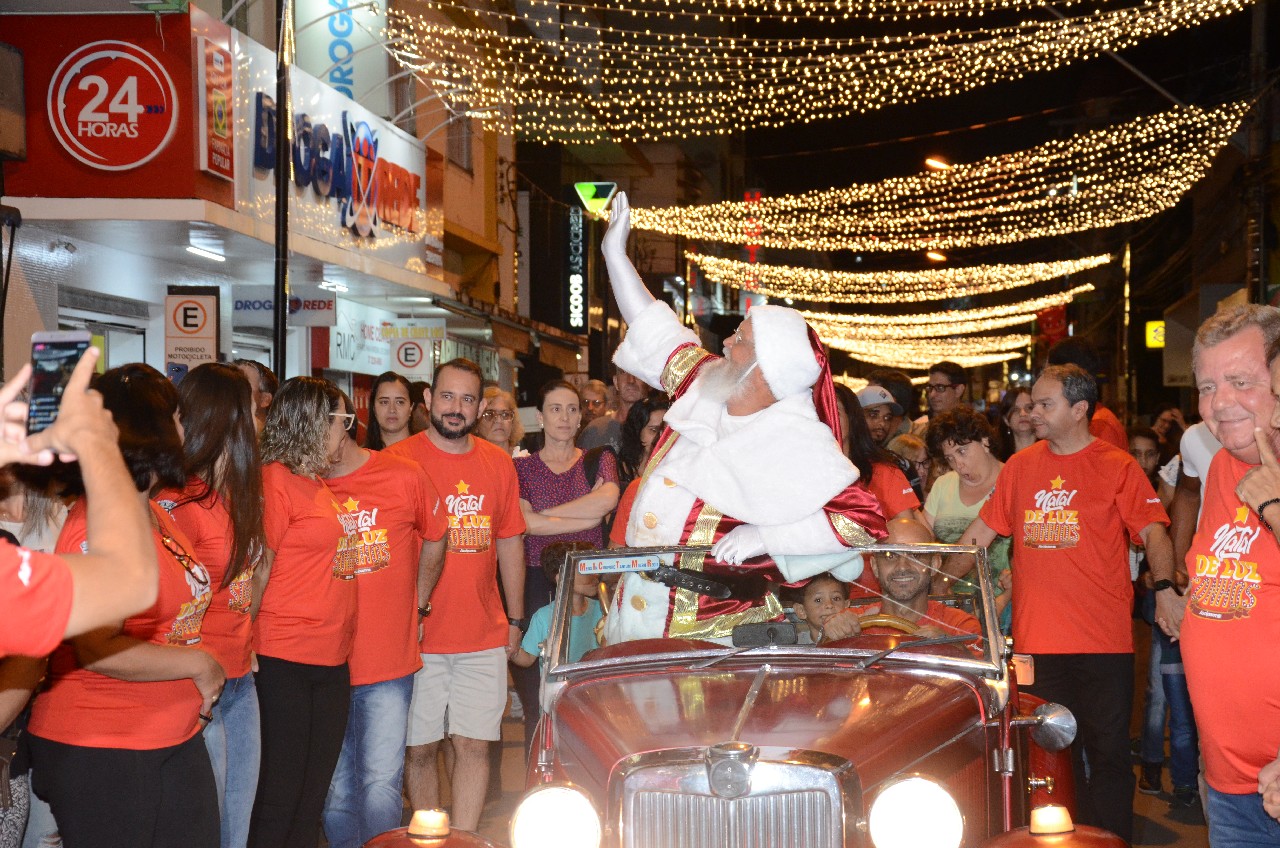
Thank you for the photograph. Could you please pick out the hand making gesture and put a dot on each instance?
(1259, 489)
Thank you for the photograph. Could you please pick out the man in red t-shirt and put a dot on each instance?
(467, 635)
(1075, 350)
(1230, 616)
(396, 530)
(1072, 503)
(46, 598)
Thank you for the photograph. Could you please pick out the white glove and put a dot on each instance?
(741, 543)
(629, 290)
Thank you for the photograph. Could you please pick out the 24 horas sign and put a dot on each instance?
(112, 105)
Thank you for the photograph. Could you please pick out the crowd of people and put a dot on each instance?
(228, 618)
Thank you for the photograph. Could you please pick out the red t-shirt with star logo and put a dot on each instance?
(1071, 519)
(86, 708)
(308, 610)
(481, 501)
(395, 507)
(227, 628)
(1232, 621)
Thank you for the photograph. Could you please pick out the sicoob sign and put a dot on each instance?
(112, 105)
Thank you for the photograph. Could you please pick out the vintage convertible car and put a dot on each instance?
(883, 739)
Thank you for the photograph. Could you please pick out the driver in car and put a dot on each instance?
(904, 580)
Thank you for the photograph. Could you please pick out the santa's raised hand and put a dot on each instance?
(628, 289)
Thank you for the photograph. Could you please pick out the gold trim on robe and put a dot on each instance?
(850, 531)
(680, 366)
(684, 609)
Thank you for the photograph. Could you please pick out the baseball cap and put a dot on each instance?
(873, 395)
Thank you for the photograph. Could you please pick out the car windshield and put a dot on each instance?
(894, 617)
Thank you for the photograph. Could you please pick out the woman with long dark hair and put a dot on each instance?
(1015, 428)
(220, 509)
(878, 469)
(115, 740)
(390, 411)
(304, 594)
(639, 432)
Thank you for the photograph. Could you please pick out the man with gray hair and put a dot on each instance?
(748, 462)
(1230, 615)
(1072, 503)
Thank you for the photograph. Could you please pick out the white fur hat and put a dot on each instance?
(783, 350)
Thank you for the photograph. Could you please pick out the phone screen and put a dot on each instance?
(52, 362)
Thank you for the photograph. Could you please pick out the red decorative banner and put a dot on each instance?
(217, 150)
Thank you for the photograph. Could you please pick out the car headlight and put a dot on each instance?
(555, 815)
(915, 813)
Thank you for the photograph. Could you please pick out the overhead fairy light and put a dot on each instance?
(948, 316)
(571, 79)
(819, 286)
(1094, 179)
(922, 353)
(810, 11)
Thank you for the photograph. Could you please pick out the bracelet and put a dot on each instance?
(425, 611)
(1262, 507)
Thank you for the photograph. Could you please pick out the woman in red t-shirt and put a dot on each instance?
(115, 740)
(220, 510)
(305, 598)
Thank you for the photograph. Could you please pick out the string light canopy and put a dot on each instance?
(1091, 180)
(758, 11)
(921, 353)
(947, 316)
(821, 286)
(572, 79)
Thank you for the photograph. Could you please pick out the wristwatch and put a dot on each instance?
(522, 623)
(1161, 585)
(424, 611)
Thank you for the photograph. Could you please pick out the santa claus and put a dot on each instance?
(749, 462)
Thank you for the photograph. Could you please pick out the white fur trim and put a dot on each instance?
(626, 623)
(650, 341)
(783, 350)
(781, 467)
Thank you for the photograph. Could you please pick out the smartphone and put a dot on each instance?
(53, 357)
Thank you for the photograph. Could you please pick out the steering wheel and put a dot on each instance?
(887, 622)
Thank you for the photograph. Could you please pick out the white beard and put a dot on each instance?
(723, 381)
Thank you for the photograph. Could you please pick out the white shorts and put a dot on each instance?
(471, 688)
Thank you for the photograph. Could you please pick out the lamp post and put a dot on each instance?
(284, 133)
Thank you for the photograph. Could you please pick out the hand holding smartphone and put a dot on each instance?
(53, 357)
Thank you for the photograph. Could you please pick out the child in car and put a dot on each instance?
(586, 609)
(823, 597)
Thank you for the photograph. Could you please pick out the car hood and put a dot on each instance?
(880, 720)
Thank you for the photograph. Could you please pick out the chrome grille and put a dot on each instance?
(796, 799)
(783, 820)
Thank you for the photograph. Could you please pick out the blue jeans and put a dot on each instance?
(1184, 742)
(234, 740)
(1238, 821)
(1152, 748)
(42, 830)
(364, 794)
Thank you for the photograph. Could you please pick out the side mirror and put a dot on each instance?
(1055, 727)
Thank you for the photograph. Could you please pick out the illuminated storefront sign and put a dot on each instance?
(112, 105)
(576, 267)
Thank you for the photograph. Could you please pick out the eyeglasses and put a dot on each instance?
(489, 415)
(347, 418)
(939, 388)
(590, 402)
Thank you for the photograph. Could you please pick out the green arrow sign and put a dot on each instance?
(596, 196)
